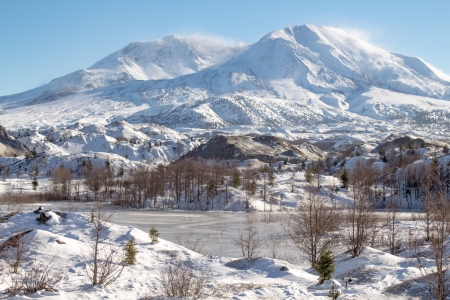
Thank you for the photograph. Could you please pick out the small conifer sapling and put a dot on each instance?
(344, 179)
(154, 234)
(34, 183)
(325, 265)
(130, 251)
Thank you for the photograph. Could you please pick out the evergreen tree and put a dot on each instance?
(344, 179)
(154, 234)
(130, 251)
(236, 179)
(107, 163)
(34, 183)
(325, 265)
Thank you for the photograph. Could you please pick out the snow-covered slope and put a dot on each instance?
(297, 76)
(65, 243)
(166, 58)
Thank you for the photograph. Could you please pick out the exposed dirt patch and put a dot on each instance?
(14, 240)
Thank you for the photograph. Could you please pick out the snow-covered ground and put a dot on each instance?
(374, 270)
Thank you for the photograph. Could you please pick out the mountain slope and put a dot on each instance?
(166, 58)
(300, 75)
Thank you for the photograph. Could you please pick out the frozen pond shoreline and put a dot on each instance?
(209, 233)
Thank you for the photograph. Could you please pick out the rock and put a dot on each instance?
(60, 242)
(263, 148)
(284, 268)
(38, 210)
(43, 218)
(8, 142)
(14, 240)
(326, 285)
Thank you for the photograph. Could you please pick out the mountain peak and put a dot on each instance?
(196, 78)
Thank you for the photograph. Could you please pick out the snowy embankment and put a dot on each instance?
(65, 237)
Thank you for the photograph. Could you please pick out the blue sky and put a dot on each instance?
(43, 40)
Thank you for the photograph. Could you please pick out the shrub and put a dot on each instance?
(40, 277)
(180, 281)
(334, 293)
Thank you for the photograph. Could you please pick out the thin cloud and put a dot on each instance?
(359, 33)
(211, 37)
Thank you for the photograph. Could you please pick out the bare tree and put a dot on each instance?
(438, 231)
(273, 242)
(266, 189)
(391, 220)
(249, 240)
(361, 219)
(292, 181)
(192, 242)
(104, 262)
(310, 226)
(248, 186)
(428, 180)
(61, 179)
(95, 180)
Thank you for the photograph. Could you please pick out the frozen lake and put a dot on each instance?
(209, 233)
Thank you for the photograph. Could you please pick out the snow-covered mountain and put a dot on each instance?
(297, 76)
(168, 57)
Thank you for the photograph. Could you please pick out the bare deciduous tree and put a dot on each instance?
(311, 224)
(438, 232)
(249, 240)
(61, 179)
(104, 262)
(361, 218)
(274, 242)
(391, 221)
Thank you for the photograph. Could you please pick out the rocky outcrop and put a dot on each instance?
(7, 142)
(263, 148)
